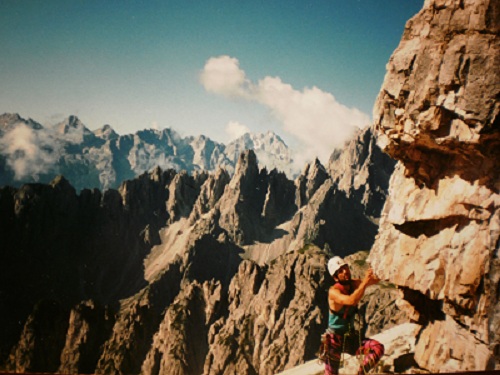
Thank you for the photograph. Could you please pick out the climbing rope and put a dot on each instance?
(361, 355)
(361, 358)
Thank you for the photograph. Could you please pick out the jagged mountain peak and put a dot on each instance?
(313, 168)
(312, 177)
(71, 121)
(107, 158)
(61, 183)
(316, 166)
(246, 162)
(73, 130)
(361, 168)
(10, 120)
(271, 151)
(171, 133)
(257, 141)
(106, 132)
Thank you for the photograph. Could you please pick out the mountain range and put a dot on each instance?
(30, 152)
(220, 273)
(117, 281)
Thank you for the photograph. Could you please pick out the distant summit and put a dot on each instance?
(9, 120)
(30, 152)
(270, 149)
(106, 132)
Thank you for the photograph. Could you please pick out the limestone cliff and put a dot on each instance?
(249, 207)
(438, 115)
(67, 248)
(362, 170)
(309, 181)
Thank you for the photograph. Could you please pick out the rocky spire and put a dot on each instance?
(241, 204)
(210, 193)
(312, 177)
(9, 121)
(362, 170)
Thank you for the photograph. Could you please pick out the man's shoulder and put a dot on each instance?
(346, 289)
(341, 288)
(336, 288)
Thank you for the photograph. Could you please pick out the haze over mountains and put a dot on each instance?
(30, 152)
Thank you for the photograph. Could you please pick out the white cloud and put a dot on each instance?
(29, 152)
(312, 116)
(235, 130)
(222, 75)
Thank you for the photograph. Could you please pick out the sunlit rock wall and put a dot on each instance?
(438, 115)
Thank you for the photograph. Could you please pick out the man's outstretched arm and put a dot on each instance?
(337, 297)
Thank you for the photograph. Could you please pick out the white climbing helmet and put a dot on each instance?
(334, 264)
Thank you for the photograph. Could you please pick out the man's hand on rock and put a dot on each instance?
(370, 278)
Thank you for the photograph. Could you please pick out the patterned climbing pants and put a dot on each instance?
(334, 344)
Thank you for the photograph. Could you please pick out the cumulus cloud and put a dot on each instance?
(28, 152)
(313, 117)
(222, 75)
(235, 130)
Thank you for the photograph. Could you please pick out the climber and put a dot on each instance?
(340, 336)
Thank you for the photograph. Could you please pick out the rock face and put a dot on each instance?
(363, 171)
(438, 115)
(260, 325)
(255, 202)
(67, 248)
(269, 148)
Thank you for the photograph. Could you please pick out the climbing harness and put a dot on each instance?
(324, 354)
(350, 332)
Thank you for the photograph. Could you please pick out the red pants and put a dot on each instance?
(372, 351)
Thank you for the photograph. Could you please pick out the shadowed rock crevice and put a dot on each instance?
(212, 260)
(428, 310)
(42, 340)
(427, 164)
(431, 228)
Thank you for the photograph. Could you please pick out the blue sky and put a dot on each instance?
(201, 67)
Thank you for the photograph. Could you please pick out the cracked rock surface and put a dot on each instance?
(438, 115)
